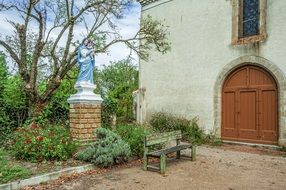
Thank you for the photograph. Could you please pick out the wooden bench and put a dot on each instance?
(163, 138)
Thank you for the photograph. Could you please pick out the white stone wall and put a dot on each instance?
(183, 80)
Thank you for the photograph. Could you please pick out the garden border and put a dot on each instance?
(45, 177)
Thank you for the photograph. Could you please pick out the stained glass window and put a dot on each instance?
(250, 17)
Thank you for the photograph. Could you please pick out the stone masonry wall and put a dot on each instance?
(84, 119)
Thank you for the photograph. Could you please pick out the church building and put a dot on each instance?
(227, 66)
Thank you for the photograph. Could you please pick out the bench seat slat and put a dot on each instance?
(153, 167)
(158, 153)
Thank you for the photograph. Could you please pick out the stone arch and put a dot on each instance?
(277, 74)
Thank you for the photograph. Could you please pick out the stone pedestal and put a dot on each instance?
(85, 113)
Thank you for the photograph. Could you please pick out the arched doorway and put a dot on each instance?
(250, 106)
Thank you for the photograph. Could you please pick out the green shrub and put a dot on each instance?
(13, 102)
(211, 139)
(43, 143)
(9, 171)
(6, 129)
(193, 132)
(108, 110)
(115, 83)
(134, 136)
(107, 150)
(164, 122)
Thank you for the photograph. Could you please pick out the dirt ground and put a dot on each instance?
(215, 168)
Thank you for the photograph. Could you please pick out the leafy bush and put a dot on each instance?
(134, 136)
(193, 132)
(115, 83)
(57, 109)
(107, 113)
(211, 139)
(164, 122)
(107, 150)
(10, 172)
(13, 102)
(36, 143)
(5, 129)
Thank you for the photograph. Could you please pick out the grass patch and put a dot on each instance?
(9, 171)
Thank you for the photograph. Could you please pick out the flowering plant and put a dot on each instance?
(37, 143)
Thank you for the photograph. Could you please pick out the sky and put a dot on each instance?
(128, 26)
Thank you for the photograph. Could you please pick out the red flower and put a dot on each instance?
(33, 125)
(27, 141)
(40, 138)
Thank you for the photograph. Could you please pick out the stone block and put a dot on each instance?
(90, 130)
(88, 116)
(83, 120)
(76, 106)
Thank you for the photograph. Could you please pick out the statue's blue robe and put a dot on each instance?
(86, 67)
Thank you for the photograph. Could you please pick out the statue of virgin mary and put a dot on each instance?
(85, 84)
(85, 58)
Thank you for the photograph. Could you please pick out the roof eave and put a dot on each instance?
(146, 2)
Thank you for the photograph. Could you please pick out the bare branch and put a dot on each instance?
(38, 49)
(11, 52)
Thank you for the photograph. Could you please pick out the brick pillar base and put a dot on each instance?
(85, 112)
(84, 119)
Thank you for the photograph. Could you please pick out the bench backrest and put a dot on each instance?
(162, 138)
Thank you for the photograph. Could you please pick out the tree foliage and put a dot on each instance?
(3, 71)
(116, 82)
(13, 102)
(47, 52)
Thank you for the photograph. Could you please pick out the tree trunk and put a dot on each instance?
(35, 109)
(38, 102)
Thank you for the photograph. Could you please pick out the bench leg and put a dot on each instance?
(194, 151)
(162, 163)
(178, 155)
(145, 162)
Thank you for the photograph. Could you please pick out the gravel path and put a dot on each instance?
(213, 169)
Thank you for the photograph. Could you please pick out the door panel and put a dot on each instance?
(269, 115)
(259, 78)
(247, 115)
(229, 115)
(239, 79)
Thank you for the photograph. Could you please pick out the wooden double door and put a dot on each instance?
(249, 106)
